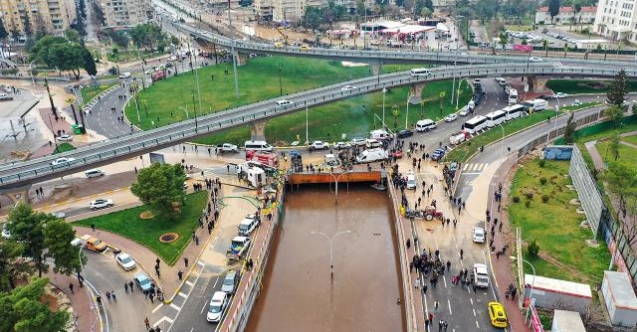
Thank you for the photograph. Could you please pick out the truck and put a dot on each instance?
(331, 160)
(92, 243)
(535, 105)
(459, 137)
(372, 155)
(254, 175)
(227, 147)
(265, 158)
(238, 248)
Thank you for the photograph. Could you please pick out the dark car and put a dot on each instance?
(405, 133)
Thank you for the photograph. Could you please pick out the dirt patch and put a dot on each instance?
(168, 237)
(146, 215)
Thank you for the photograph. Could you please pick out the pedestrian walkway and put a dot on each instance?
(598, 161)
(84, 310)
(474, 167)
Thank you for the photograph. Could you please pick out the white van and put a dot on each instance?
(411, 181)
(417, 72)
(379, 134)
(258, 146)
(93, 173)
(480, 275)
(372, 143)
(425, 125)
(370, 156)
(283, 103)
(248, 225)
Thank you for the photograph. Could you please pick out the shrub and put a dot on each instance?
(527, 204)
(545, 198)
(516, 199)
(533, 249)
(528, 196)
(113, 70)
(542, 162)
(543, 180)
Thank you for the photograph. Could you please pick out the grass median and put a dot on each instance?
(172, 100)
(467, 149)
(584, 86)
(90, 92)
(554, 224)
(127, 223)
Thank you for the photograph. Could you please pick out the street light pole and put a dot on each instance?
(384, 93)
(534, 274)
(407, 116)
(331, 241)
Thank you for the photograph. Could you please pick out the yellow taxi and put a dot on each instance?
(278, 45)
(304, 48)
(498, 315)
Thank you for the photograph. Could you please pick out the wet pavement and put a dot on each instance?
(298, 289)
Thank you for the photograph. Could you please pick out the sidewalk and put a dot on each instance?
(82, 303)
(503, 267)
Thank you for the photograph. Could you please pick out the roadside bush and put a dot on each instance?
(543, 181)
(542, 162)
(533, 249)
(545, 198)
(112, 70)
(527, 204)
(528, 196)
(516, 199)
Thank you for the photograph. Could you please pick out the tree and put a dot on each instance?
(68, 57)
(615, 114)
(4, 34)
(622, 181)
(569, 130)
(578, 9)
(503, 39)
(27, 227)
(533, 249)
(81, 8)
(429, 5)
(312, 17)
(615, 95)
(57, 238)
(613, 145)
(12, 268)
(160, 186)
(28, 29)
(72, 35)
(545, 44)
(554, 8)
(24, 309)
(89, 62)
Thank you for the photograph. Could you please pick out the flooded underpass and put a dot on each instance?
(298, 292)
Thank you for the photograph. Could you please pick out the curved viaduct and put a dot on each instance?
(20, 175)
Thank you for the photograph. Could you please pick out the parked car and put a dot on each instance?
(535, 59)
(451, 117)
(61, 161)
(464, 111)
(125, 261)
(341, 145)
(230, 282)
(478, 234)
(405, 133)
(125, 75)
(497, 315)
(561, 95)
(358, 141)
(65, 138)
(142, 281)
(218, 304)
(100, 203)
(318, 145)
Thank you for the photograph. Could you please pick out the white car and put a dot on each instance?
(561, 95)
(65, 138)
(100, 203)
(61, 161)
(535, 59)
(318, 145)
(125, 261)
(217, 306)
(479, 235)
(125, 75)
(451, 117)
(464, 111)
(348, 88)
(358, 141)
(341, 145)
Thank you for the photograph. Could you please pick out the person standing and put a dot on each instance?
(186, 261)
(71, 288)
(147, 323)
(461, 253)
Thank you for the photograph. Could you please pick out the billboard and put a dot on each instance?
(156, 158)
(523, 48)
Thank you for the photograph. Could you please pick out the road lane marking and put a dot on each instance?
(477, 325)
(471, 300)
(449, 303)
(182, 295)
(189, 283)
(167, 319)
(474, 311)
(174, 306)
(201, 263)
(157, 307)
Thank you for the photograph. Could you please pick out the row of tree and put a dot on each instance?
(62, 54)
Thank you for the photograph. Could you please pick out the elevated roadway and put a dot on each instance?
(23, 174)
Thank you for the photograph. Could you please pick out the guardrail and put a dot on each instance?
(20, 173)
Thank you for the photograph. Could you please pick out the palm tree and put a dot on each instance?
(70, 101)
(503, 39)
(578, 9)
(545, 44)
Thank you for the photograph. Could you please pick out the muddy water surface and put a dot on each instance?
(299, 294)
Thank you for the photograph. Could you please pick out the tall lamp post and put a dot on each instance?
(336, 183)
(534, 274)
(331, 241)
(384, 93)
(407, 115)
(557, 110)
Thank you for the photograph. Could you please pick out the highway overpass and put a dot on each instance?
(23, 174)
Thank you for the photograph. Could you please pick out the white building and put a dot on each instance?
(616, 19)
(125, 13)
(566, 16)
(293, 10)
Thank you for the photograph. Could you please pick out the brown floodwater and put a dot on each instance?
(298, 293)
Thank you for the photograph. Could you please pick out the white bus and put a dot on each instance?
(475, 124)
(417, 72)
(514, 111)
(495, 118)
(513, 96)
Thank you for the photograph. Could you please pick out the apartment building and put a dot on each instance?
(566, 16)
(617, 19)
(293, 10)
(125, 13)
(53, 16)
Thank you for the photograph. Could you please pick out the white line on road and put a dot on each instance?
(174, 306)
(449, 303)
(201, 263)
(477, 325)
(189, 283)
(182, 295)
(471, 300)
(474, 312)
(170, 321)
(157, 307)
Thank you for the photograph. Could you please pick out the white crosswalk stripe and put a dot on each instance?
(558, 64)
(474, 167)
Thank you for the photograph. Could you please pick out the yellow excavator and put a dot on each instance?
(285, 38)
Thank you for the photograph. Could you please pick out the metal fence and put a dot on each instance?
(589, 196)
